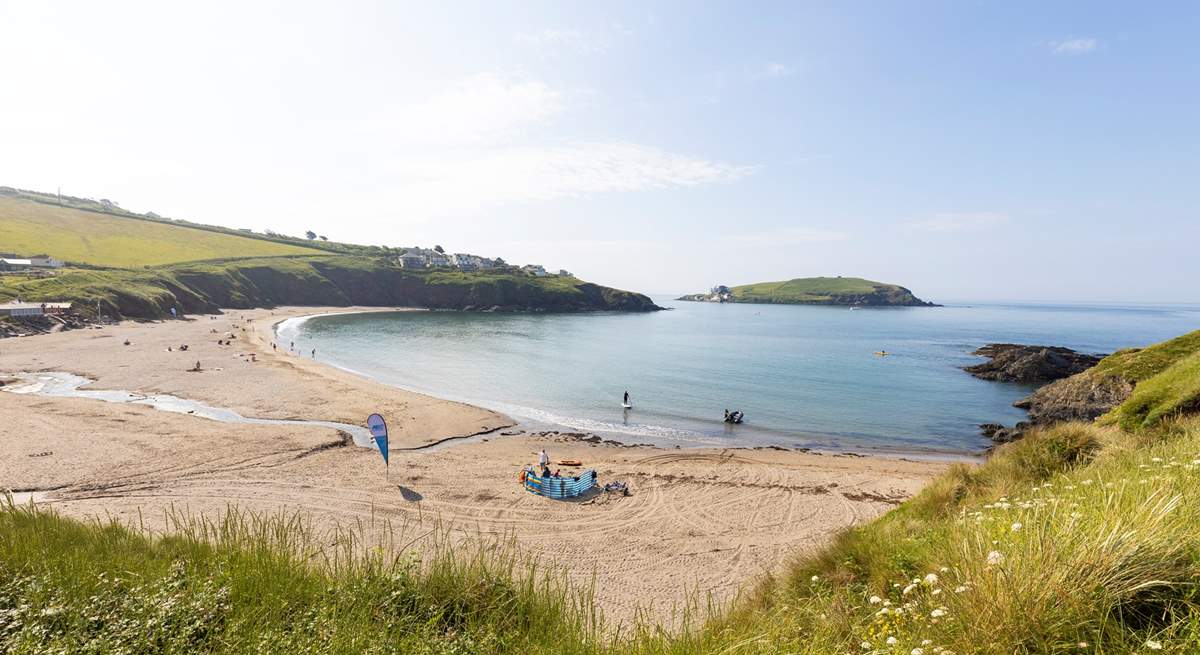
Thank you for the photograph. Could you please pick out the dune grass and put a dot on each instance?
(270, 584)
(84, 237)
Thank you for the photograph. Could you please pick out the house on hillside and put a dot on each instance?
(562, 272)
(14, 264)
(465, 262)
(46, 261)
(536, 270)
(409, 260)
(437, 259)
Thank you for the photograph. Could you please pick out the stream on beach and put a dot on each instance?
(805, 376)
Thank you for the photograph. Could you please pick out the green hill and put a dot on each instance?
(816, 291)
(80, 236)
(142, 265)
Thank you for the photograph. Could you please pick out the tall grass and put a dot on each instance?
(250, 583)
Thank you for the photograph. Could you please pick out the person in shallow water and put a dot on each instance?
(626, 400)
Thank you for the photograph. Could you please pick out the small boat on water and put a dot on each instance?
(734, 417)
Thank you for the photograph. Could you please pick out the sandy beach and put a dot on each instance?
(707, 520)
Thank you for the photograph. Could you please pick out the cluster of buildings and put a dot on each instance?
(18, 308)
(10, 262)
(433, 258)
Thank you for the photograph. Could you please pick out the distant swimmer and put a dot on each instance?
(882, 353)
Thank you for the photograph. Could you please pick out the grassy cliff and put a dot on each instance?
(820, 291)
(336, 280)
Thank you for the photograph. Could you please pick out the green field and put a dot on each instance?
(84, 237)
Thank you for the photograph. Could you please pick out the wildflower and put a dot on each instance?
(1082, 644)
(891, 641)
(866, 645)
(936, 592)
(1154, 645)
(938, 613)
(815, 578)
(960, 588)
(931, 579)
(917, 651)
(908, 589)
(926, 642)
(874, 600)
(1016, 527)
(994, 558)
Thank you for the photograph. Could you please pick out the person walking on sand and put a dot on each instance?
(314, 354)
(543, 459)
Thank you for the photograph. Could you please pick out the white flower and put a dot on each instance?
(908, 589)
(866, 645)
(938, 613)
(994, 558)
(815, 578)
(917, 651)
(960, 588)
(874, 600)
(891, 641)
(931, 579)
(926, 642)
(1154, 645)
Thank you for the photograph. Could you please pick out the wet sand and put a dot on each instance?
(697, 520)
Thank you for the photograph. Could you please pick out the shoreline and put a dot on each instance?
(531, 426)
(698, 518)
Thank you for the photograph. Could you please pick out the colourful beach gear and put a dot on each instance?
(562, 487)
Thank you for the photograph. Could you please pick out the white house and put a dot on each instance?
(536, 270)
(409, 260)
(47, 262)
(435, 259)
(465, 262)
(564, 273)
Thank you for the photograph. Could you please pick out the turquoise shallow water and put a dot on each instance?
(804, 376)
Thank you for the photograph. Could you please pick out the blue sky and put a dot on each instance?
(988, 150)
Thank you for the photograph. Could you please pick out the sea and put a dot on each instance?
(804, 376)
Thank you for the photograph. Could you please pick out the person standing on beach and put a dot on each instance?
(314, 354)
(543, 458)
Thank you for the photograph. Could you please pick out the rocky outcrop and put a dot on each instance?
(1010, 362)
(1082, 397)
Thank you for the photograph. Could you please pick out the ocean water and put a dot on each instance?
(804, 376)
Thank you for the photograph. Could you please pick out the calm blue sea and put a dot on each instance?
(804, 376)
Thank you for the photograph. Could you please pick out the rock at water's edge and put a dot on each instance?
(1010, 362)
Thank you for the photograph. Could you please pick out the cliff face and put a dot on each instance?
(333, 281)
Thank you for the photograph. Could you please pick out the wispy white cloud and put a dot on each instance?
(481, 109)
(960, 222)
(790, 236)
(1074, 46)
(773, 69)
(564, 39)
(488, 177)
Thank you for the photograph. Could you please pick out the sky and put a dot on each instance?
(966, 150)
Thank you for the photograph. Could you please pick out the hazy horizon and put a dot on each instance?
(997, 152)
